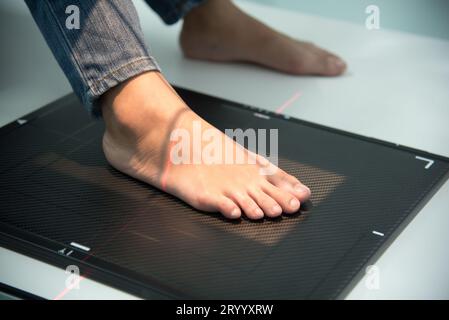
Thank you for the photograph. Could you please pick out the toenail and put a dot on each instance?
(337, 62)
(294, 203)
(277, 209)
(302, 188)
(235, 213)
(258, 212)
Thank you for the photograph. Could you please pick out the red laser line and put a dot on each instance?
(166, 167)
(288, 102)
(67, 290)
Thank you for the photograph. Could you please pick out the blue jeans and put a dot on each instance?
(107, 48)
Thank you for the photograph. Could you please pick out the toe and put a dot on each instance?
(290, 184)
(326, 65)
(212, 202)
(248, 205)
(330, 64)
(334, 65)
(228, 208)
(314, 60)
(285, 199)
(269, 206)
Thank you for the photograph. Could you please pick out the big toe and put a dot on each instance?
(310, 59)
(333, 66)
(289, 183)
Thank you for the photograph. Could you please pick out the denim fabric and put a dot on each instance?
(108, 48)
(172, 10)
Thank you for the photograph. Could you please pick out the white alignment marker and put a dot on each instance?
(429, 161)
(377, 233)
(79, 246)
(260, 115)
(21, 121)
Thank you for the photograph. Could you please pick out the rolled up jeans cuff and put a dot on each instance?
(171, 11)
(121, 73)
(105, 47)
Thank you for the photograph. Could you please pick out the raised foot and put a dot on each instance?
(219, 31)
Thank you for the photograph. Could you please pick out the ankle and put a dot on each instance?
(218, 30)
(131, 109)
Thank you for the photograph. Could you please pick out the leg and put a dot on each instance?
(95, 57)
(217, 30)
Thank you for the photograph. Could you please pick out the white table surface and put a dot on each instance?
(396, 89)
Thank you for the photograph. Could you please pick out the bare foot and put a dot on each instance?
(217, 30)
(141, 114)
